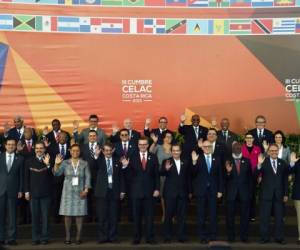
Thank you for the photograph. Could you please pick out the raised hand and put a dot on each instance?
(20, 146)
(75, 125)
(265, 145)
(228, 166)
(200, 142)
(115, 128)
(294, 157)
(124, 161)
(58, 159)
(6, 128)
(46, 160)
(195, 156)
(46, 142)
(219, 195)
(168, 165)
(154, 137)
(97, 151)
(214, 123)
(261, 159)
(156, 193)
(182, 118)
(122, 196)
(45, 130)
(27, 196)
(147, 122)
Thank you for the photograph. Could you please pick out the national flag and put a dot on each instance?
(130, 25)
(198, 3)
(68, 24)
(262, 26)
(112, 2)
(240, 26)
(133, 2)
(284, 25)
(176, 2)
(219, 3)
(89, 2)
(240, 3)
(47, 1)
(154, 2)
(68, 2)
(284, 2)
(45, 23)
(6, 22)
(176, 26)
(3, 58)
(262, 3)
(197, 27)
(24, 22)
(298, 26)
(110, 25)
(151, 26)
(96, 24)
(298, 3)
(218, 26)
(85, 24)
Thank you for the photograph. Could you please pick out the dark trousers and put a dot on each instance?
(210, 198)
(244, 218)
(140, 207)
(8, 206)
(107, 213)
(24, 211)
(265, 214)
(56, 196)
(176, 206)
(253, 198)
(40, 218)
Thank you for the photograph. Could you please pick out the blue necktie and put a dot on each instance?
(208, 163)
(62, 151)
(109, 171)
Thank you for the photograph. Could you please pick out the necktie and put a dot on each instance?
(125, 149)
(196, 132)
(92, 150)
(225, 135)
(208, 163)
(260, 134)
(144, 161)
(28, 146)
(19, 133)
(274, 166)
(63, 151)
(238, 166)
(9, 162)
(109, 172)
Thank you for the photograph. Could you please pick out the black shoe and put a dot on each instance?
(78, 242)
(181, 240)
(245, 241)
(12, 243)
(67, 242)
(114, 241)
(263, 241)
(252, 219)
(2, 242)
(231, 240)
(151, 242)
(44, 242)
(102, 241)
(282, 241)
(203, 241)
(135, 242)
(35, 243)
(167, 241)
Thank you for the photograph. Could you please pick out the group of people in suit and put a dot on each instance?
(93, 175)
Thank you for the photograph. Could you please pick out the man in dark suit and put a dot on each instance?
(260, 133)
(239, 187)
(38, 187)
(17, 132)
(160, 131)
(11, 183)
(133, 137)
(274, 192)
(176, 192)
(225, 136)
(207, 184)
(53, 136)
(192, 134)
(143, 171)
(62, 148)
(109, 189)
(3, 136)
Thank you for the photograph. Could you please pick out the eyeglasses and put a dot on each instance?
(144, 144)
(123, 134)
(208, 146)
(260, 122)
(163, 122)
(248, 137)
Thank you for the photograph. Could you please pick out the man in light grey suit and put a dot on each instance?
(83, 137)
(11, 183)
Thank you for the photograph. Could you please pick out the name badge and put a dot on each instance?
(110, 179)
(75, 181)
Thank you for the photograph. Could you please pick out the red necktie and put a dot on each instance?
(238, 166)
(29, 146)
(144, 162)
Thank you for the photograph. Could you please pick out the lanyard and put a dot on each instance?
(75, 168)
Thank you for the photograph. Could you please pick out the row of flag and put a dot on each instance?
(167, 3)
(159, 26)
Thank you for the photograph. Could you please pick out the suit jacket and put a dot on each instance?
(273, 185)
(143, 182)
(176, 185)
(119, 152)
(82, 138)
(190, 140)
(157, 132)
(101, 184)
(13, 133)
(2, 140)
(38, 178)
(286, 154)
(253, 156)
(86, 155)
(51, 137)
(11, 182)
(296, 185)
(135, 135)
(267, 136)
(27, 153)
(241, 183)
(201, 179)
(231, 137)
